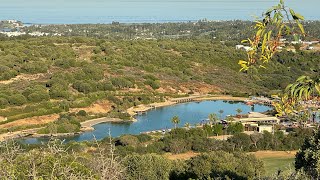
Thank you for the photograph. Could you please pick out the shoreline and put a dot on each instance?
(88, 125)
(143, 108)
(85, 127)
(133, 111)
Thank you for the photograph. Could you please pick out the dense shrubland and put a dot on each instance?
(141, 157)
(196, 139)
(77, 71)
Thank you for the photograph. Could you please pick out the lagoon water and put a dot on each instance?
(137, 11)
(158, 119)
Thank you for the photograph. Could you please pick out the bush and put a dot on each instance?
(17, 100)
(3, 102)
(143, 138)
(221, 164)
(121, 83)
(241, 141)
(147, 166)
(153, 84)
(82, 113)
(38, 96)
(128, 140)
(235, 128)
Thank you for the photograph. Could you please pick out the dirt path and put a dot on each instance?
(182, 156)
(24, 77)
(273, 154)
(258, 154)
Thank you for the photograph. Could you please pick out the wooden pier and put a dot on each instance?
(184, 99)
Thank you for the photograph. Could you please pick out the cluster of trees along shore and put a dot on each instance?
(143, 157)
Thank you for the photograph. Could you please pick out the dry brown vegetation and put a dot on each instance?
(182, 156)
(274, 154)
(103, 106)
(31, 121)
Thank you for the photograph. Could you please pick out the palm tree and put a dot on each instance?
(229, 119)
(221, 112)
(213, 118)
(175, 120)
(187, 125)
(239, 111)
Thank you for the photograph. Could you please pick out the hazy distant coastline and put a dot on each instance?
(147, 11)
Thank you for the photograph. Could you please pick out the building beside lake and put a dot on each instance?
(258, 122)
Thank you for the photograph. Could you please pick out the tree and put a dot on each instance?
(239, 111)
(175, 120)
(17, 100)
(255, 137)
(235, 128)
(128, 140)
(221, 113)
(217, 129)
(187, 125)
(213, 118)
(148, 166)
(241, 141)
(82, 113)
(279, 22)
(307, 158)
(224, 165)
(269, 30)
(230, 119)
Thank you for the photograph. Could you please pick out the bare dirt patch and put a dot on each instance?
(84, 52)
(96, 108)
(2, 118)
(24, 77)
(182, 156)
(271, 154)
(171, 86)
(177, 53)
(31, 121)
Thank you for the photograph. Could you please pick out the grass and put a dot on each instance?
(273, 164)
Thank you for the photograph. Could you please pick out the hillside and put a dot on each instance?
(49, 75)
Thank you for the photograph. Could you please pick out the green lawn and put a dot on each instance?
(273, 164)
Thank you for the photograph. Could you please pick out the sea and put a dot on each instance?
(143, 11)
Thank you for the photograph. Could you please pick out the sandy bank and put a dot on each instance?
(88, 125)
(143, 108)
(85, 126)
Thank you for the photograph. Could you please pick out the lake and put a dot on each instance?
(138, 11)
(160, 118)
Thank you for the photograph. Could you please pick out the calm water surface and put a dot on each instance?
(126, 11)
(157, 119)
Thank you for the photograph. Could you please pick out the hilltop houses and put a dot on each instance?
(246, 48)
(305, 45)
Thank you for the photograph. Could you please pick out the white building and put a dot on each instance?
(263, 128)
